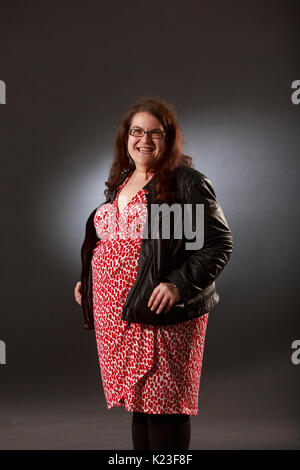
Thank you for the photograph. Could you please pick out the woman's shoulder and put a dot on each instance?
(194, 184)
(189, 175)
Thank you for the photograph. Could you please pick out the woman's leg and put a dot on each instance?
(169, 431)
(139, 430)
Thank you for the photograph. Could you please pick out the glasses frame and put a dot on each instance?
(146, 132)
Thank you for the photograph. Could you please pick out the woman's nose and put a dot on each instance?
(147, 138)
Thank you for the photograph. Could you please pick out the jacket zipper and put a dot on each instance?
(135, 289)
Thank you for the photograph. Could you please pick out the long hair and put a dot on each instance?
(166, 163)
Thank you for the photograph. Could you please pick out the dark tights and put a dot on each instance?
(160, 431)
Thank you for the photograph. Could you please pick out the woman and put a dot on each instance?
(148, 296)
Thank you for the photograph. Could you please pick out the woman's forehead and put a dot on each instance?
(144, 119)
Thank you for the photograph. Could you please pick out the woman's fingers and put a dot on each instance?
(165, 305)
(77, 292)
(163, 297)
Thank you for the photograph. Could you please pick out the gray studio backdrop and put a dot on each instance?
(71, 69)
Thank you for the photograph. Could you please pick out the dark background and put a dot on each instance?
(71, 71)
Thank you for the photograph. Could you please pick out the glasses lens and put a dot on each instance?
(137, 132)
(157, 134)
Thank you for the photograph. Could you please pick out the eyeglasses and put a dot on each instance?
(155, 133)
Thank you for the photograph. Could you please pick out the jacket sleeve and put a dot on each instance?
(201, 267)
(88, 245)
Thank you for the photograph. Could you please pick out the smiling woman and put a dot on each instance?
(148, 299)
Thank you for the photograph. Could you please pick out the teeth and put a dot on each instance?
(144, 148)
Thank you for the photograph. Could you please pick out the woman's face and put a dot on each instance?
(144, 150)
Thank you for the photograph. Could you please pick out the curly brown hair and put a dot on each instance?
(165, 165)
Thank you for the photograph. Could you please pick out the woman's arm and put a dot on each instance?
(201, 267)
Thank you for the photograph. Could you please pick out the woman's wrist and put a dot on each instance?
(173, 284)
(169, 282)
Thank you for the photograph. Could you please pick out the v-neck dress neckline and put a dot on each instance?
(120, 187)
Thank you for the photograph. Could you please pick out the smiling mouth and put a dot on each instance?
(144, 149)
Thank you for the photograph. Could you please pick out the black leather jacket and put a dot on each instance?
(167, 259)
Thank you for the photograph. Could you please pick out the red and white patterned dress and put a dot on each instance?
(147, 368)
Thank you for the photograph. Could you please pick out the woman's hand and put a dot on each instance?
(163, 297)
(77, 292)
